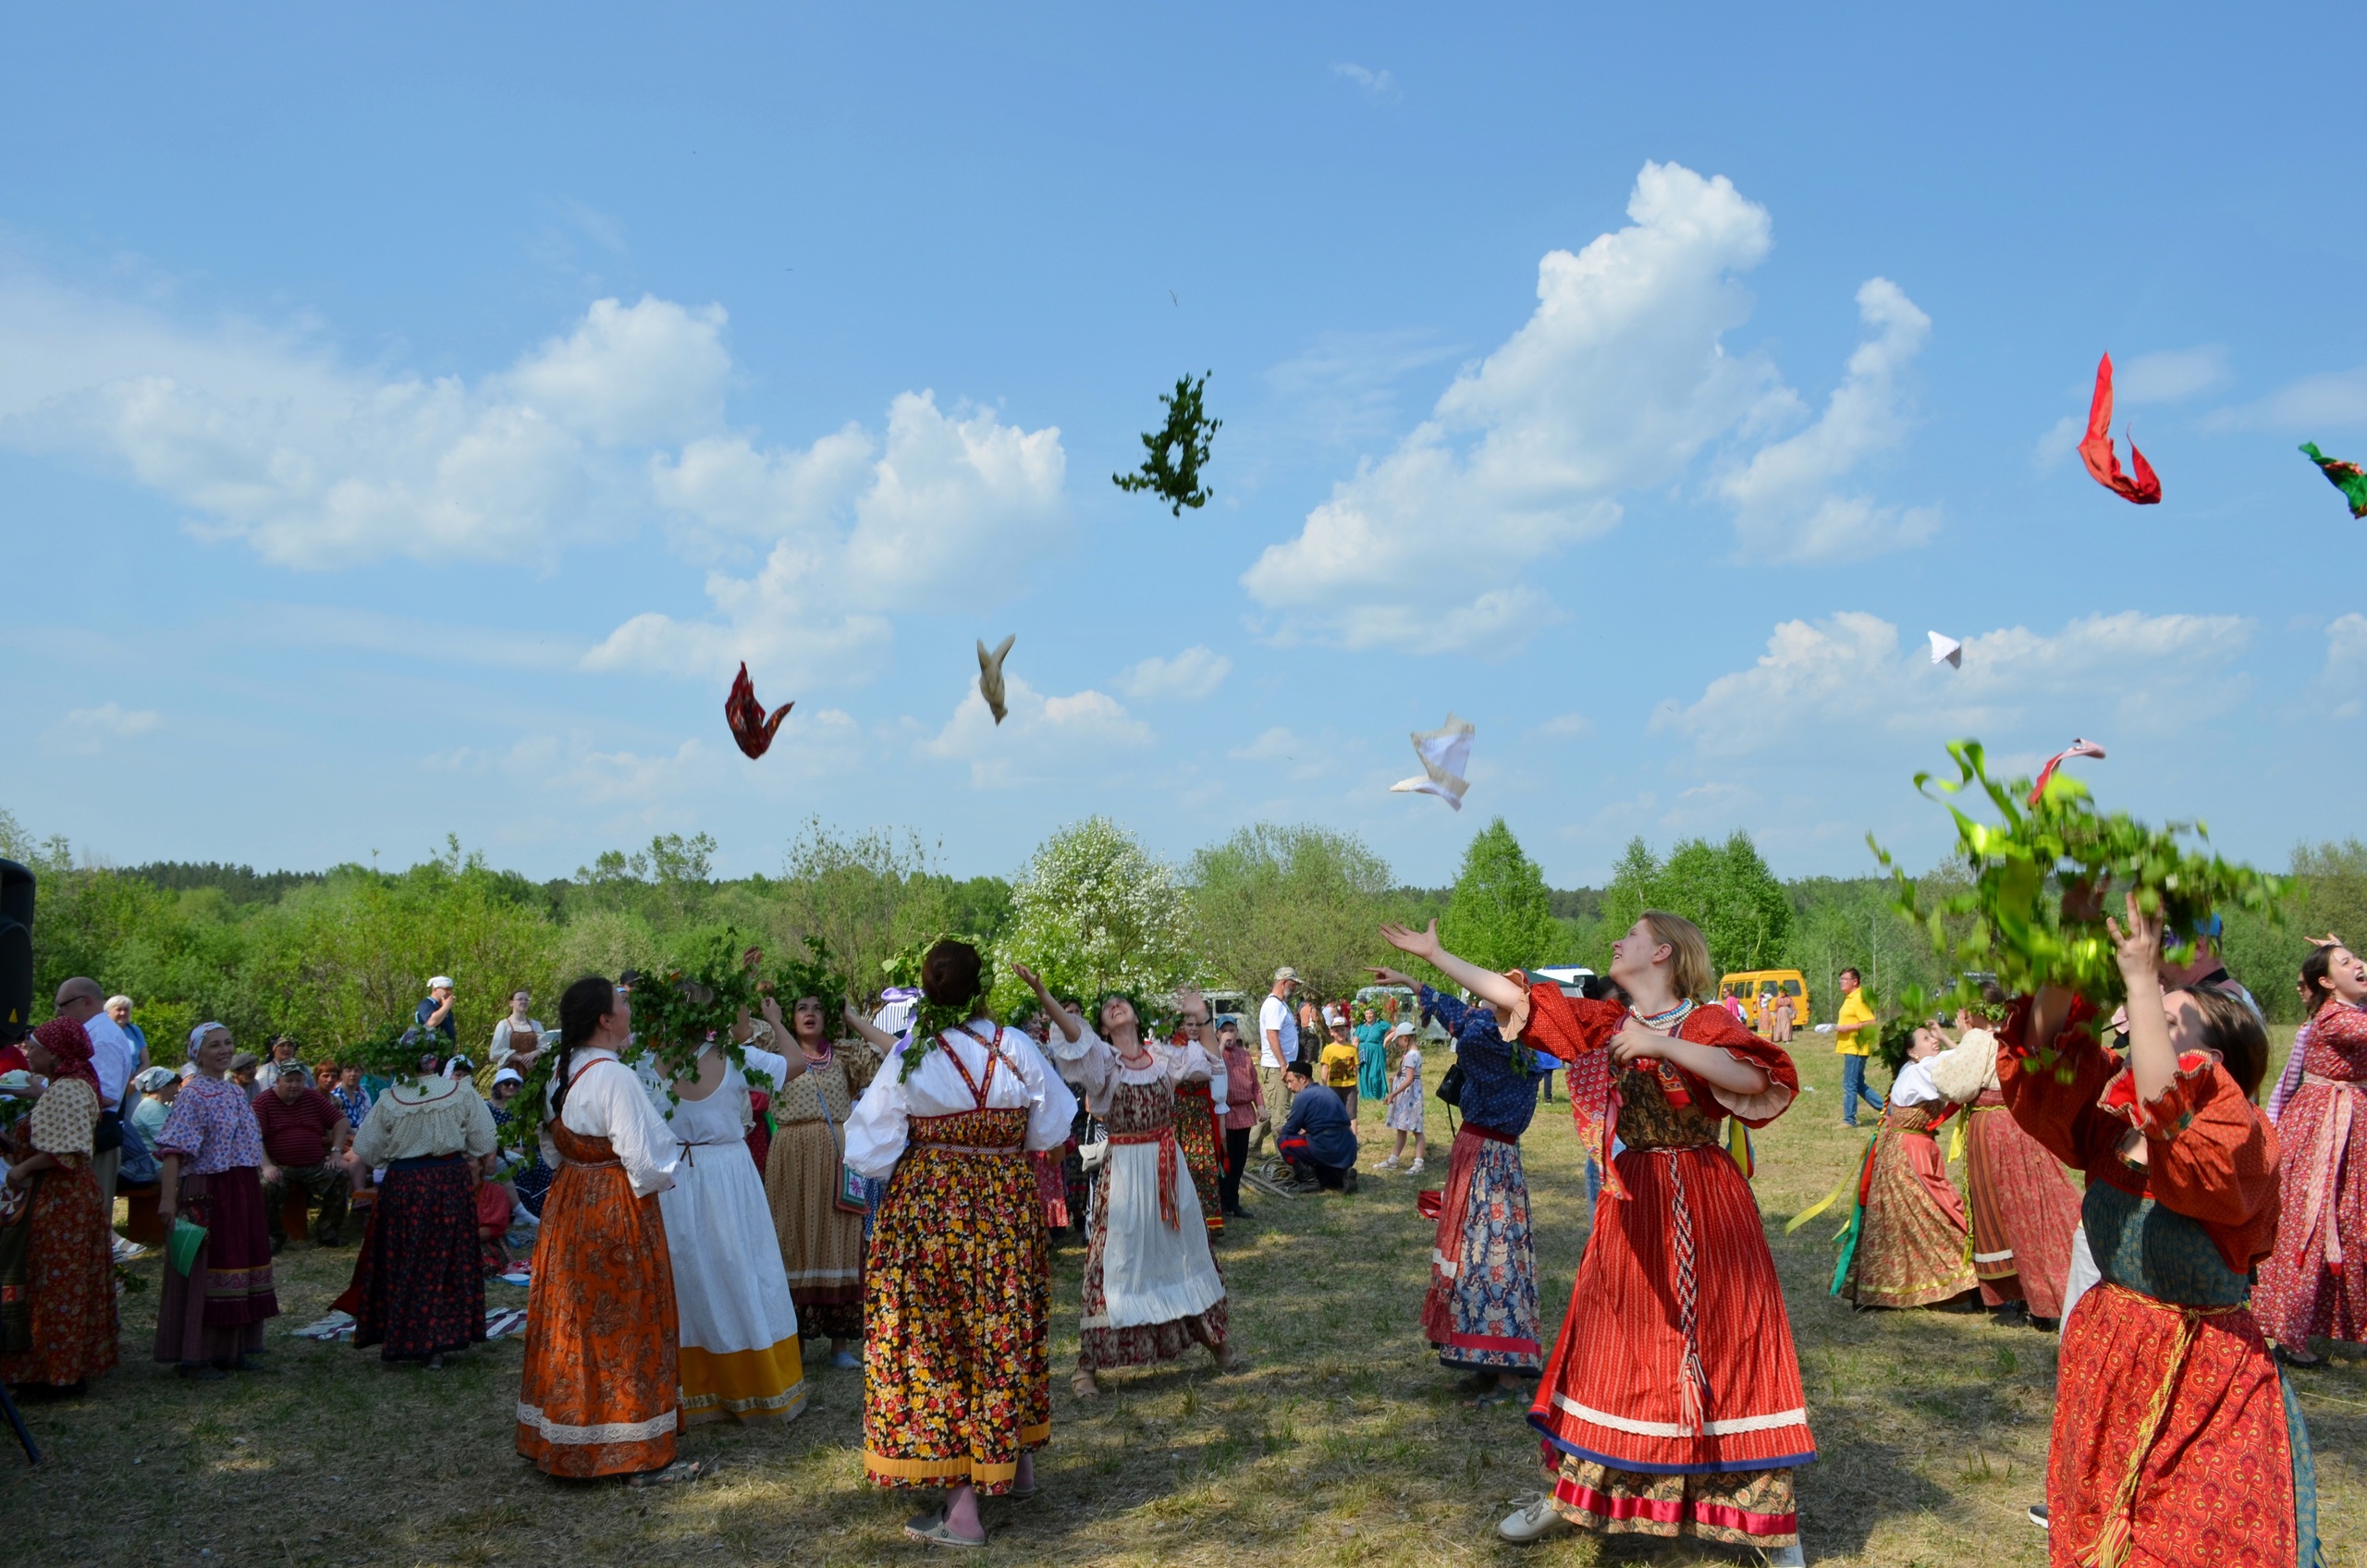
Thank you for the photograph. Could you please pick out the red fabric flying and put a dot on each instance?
(2097, 453)
(2078, 748)
(750, 727)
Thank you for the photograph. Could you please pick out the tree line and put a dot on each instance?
(339, 955)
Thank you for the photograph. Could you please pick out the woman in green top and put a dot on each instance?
(1372, 1058)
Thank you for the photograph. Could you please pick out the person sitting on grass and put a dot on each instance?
(1317, 1139)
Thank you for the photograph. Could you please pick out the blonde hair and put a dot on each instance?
(1689, 972)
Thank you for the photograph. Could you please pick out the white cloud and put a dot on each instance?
(1045, 733)
(2170, 377)
(1616, 382)
(1785, 504)
(2346, 660)
(88, 731)
(1343, 388)
(269, 437)
(1190, 677)
(1847, 678)
(2336, 399)
(943, 507)
(2060, 441)
(1280, 750)
(1564, 726)
(1380, 84)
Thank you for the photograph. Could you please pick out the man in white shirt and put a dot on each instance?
(1278, 1030)
(113, 1059)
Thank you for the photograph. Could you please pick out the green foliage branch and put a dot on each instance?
(1176, 478)
(2032, 912)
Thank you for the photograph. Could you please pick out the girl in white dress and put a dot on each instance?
(739, 1357)
(1405, 1102)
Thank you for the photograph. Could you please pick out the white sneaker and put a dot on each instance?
(1532, 1519)
(127, 1249)
(1389, 1164)
(1415, 1169)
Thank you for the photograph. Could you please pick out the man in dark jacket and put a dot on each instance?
(1317, 1139)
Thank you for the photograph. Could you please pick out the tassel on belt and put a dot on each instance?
(2111, 1546)
(2326, 1161)
(1165, 1139)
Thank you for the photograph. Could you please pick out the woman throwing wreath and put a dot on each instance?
(1672, 1402)
(1151, 1286)
(958, 1295)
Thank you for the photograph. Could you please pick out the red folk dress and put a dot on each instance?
(2315, 1283)
(1672, 1402)
(2176, 1443)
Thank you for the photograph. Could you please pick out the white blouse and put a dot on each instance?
(879, 1129)
(1091, 1063)
(609, 1103)
(1913, 1085)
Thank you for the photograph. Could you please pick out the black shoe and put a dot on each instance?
(1238, 1214)
(2046, 1325)
(1348, 1182)
(2038, 1516)
(2012, 1314)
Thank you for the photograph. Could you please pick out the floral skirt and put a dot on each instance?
(217, 1310)
(69, 1280)
(1914, 1248)
(1195, 1132)
(957, 1310)
(419, 1284)
(1482, 1311)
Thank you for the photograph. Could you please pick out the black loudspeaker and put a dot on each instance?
(15, 951)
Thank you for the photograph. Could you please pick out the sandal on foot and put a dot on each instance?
(680, 1471)
(936, 1530)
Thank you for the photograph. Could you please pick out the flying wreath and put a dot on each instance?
(1172, 469)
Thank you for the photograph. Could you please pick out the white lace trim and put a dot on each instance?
(608, 1432)
(1444, 1264)
(1992, 1256)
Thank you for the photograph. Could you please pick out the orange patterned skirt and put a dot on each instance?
(957, 1378)
(70, 1277)
(599, 1395)
(1914, 1248)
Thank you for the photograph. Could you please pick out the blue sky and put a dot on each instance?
(410, 418)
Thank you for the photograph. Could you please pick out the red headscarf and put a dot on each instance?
(70, 1044)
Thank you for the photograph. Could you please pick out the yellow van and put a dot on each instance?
(1749, 986)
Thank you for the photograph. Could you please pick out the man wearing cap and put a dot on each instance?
(281, 1062)
(304, 1136)
(1277, 1035)
(1317, 1139)
(435, 1014)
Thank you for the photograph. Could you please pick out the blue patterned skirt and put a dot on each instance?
(1481, 1310)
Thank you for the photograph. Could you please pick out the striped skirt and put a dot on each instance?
(2024, 1209)
(1672, 1402)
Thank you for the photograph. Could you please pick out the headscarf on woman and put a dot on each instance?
(68, 1041)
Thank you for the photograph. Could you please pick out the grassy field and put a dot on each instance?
(1340, 1442)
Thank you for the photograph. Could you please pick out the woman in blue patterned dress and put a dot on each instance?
(1482, 1311)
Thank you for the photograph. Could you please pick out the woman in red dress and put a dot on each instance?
(1672, 1402)
(2176, 1442)
(2315, 1283)
(69, 1265)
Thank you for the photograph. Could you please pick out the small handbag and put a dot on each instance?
(853, 1196)
(1450, 1087)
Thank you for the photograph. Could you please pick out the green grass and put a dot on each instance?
(1341, 1442)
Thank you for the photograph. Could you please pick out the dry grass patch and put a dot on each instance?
(1340, 1442)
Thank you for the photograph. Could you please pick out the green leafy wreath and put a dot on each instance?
(1176, 479)
(2034, 913)
(933, 1018)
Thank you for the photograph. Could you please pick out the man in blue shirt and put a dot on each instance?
(1317, 1140)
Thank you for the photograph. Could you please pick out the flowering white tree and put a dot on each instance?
(1094, 911)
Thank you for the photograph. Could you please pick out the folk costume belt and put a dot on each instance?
(1490, 1134)
(2326, 1161)
(1693, 1395)
(1165, 1139)
(687, 1144)
(973, 1148)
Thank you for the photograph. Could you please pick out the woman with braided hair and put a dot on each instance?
(1671, 1404)
(957, 1292)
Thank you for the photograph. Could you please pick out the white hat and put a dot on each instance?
(1335, 1016)
(1401, 1029)
(440, 982)
(508, 1075)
